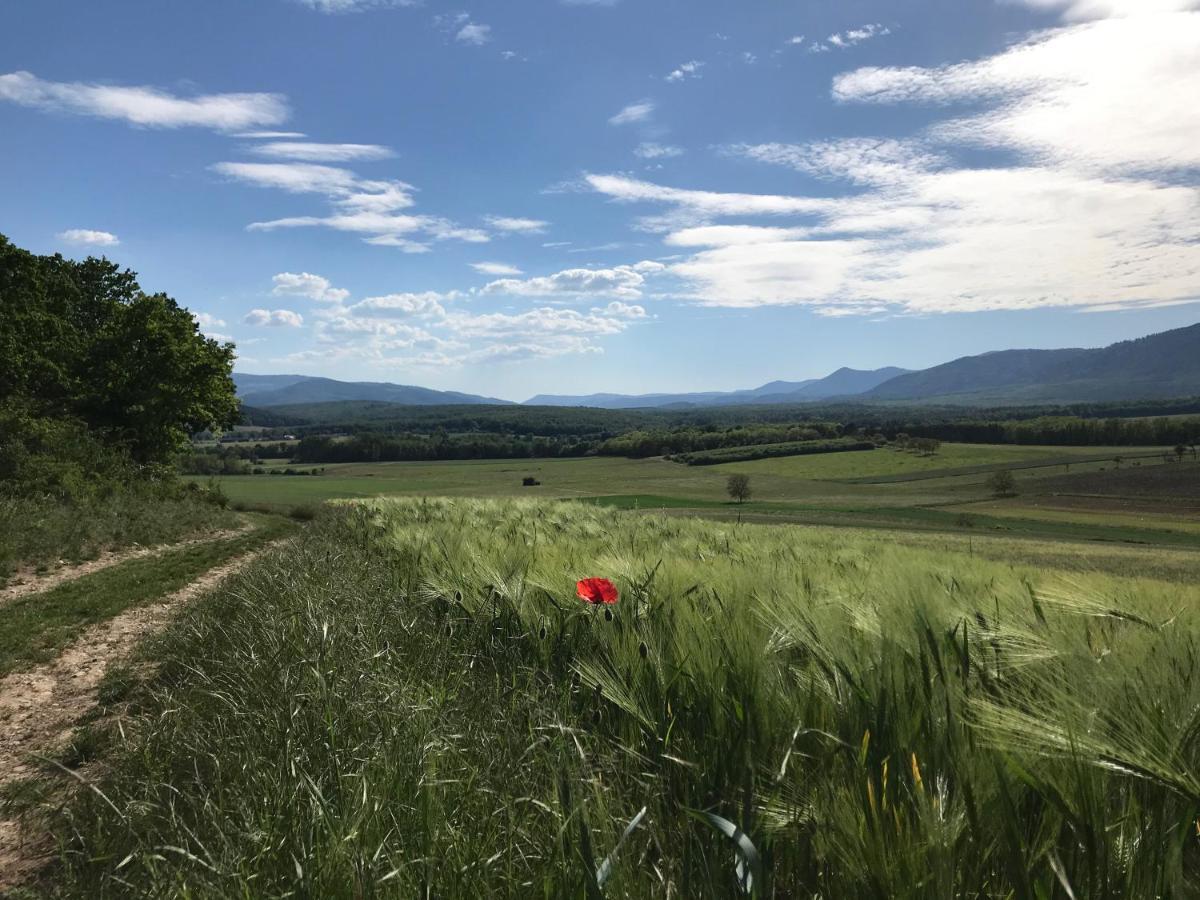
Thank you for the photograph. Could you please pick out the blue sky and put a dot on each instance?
(636, 195)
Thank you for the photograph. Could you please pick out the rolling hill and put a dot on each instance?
(286, 390)
(1158, 366)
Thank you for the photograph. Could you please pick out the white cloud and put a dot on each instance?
(1080, 10)
(1092, 202)
(516, 225)
(207, 321)
(274, 317)
(474, 33)
(842, 40)
(690, 69)
(305, 284)
(534, 324)
(702, 205)
(145, 106)
(652, 150)
(402, 306)
(796, 40)
(349, 6)
(88, 237)
(622, 310)
(400, 243)
(620, 281)
(368, 207)
(1058, 97)
(861, 160)
(295, 178)
(465, 30)
(312, 152)
(634, 112)
(269, 135)
(733, 235)
(495, 268)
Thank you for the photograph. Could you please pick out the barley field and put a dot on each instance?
(409, 700)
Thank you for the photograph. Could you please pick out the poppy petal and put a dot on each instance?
(596, 590)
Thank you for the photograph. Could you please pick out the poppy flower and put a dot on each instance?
(596, 590)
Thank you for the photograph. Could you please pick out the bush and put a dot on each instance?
(770, 451)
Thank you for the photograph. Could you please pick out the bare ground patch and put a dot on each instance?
(39, 708)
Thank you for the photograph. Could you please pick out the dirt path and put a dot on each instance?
(27, 581)
(39, 708)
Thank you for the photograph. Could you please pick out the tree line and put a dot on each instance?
(99, 380)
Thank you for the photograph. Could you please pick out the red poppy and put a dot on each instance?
(596, 590)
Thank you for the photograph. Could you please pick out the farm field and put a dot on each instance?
(410, 700)
(881, 488)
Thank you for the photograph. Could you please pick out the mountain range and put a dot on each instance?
(1159, 366)
(284, 390)
(840, 383)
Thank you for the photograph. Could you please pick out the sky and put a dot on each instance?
(567, 196)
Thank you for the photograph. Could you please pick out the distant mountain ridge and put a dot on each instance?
(842, 382)
(1156, 367)
(283, 390)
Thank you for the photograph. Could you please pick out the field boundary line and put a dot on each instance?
(984, 468)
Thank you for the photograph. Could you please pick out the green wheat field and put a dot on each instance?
(408, 700)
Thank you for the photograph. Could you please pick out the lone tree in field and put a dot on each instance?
(1002, 483)
(738, 487)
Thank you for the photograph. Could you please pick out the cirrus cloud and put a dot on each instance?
(148, 107)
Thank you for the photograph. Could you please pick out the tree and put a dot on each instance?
(81, 340)
(738, 487)
(1002, 483)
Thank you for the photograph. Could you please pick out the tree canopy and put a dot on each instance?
(81, 341)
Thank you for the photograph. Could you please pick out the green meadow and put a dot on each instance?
(883, 488)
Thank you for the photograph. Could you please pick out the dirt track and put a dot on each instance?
(29, 582)
(39, 708)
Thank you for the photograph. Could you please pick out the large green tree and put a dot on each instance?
(81, 340)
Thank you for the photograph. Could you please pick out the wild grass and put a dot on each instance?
(36, 626)
(409, 701)
(44, 530)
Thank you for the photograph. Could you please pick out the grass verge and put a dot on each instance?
(35, 627)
